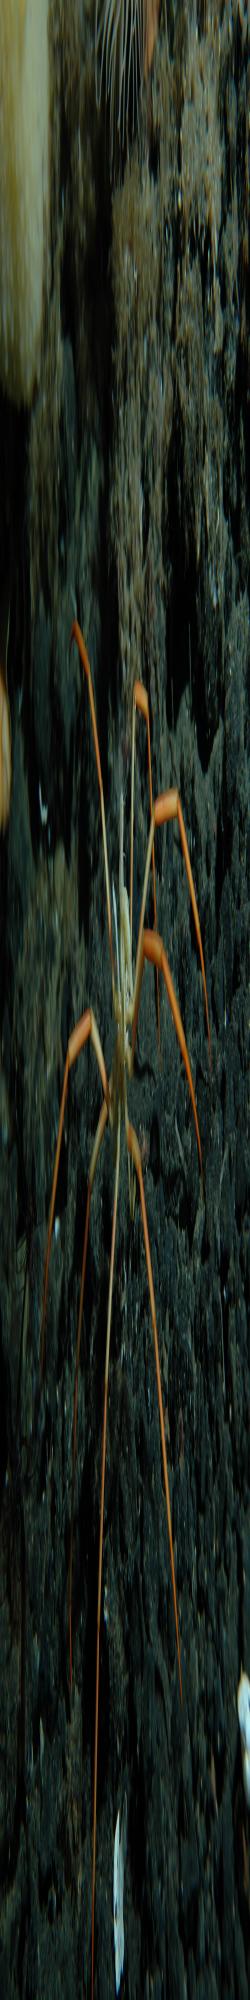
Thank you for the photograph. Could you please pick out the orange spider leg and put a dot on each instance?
(168, 807)
(85, 1027)
(134, 1149)
(82, 649)
(152, 948)
(104, 1435)
(93, 1164)
(141, 701)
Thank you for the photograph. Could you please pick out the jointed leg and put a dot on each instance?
(82, 649)
(85, 1027)
(140, 700)
(168, 807)
(93, 1164)
(152, 948)
(134, 1149)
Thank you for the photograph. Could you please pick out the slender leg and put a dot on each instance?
(93, 1164)
(85, 1027)
(140, 700)
(104, 1435)
(82, 649)
(152, 948)
(168, 807)
(134, 1149)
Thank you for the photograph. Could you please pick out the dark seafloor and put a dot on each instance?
(125, 496)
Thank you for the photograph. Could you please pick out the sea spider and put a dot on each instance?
(126, 992)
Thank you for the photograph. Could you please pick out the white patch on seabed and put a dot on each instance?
(43, 807)
(119, 1865)
(243, 1705)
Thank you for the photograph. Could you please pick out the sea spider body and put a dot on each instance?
(126, 992)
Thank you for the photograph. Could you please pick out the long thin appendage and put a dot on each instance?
(140, 701)
(82, 649)
(85, 1027)
(134, 1149)
(152, 948)
(168, 807)
(93, 1164)
(104, 1435)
